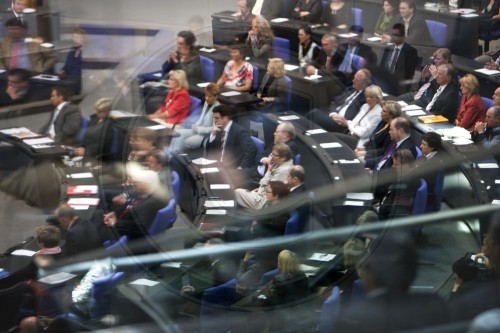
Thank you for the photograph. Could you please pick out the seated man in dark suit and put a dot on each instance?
(19, 89)
(487, 134)
(296, 177)
(354, 55)
(444, 100)
(328, 59)
(229, 142)
(135, 219)
(399, 60)
(81, 235)
(387, 272)
(347, 107)
(399, 131)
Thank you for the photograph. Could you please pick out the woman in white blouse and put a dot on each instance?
(308, 50)
(365, 122)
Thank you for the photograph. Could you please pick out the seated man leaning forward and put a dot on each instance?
(281, 162)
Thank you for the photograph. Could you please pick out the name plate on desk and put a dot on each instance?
(219, 203)
(330, 145)
(230, 93)
(322, 256)
(209, 170)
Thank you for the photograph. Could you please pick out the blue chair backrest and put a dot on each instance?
(101, 294)
(297, 159)
(164, 219)
(194, 112)
(176, 185)
(293, 224)
(83, 128)
(438, 193)
(288, 92)
(438, 32)
(324, 3)
(259, 144)
(255, 80)
(420, 201)
(207, 69)
(281, 48)
(419, 153)
(357, 14)
(330, 311)
(268, 276)
(121, 242)
(357, 292)
(488, 102)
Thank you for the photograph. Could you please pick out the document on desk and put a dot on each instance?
(46, 77)
(322, 256)
(354, 161)
(145, 282)
(83, 201)
(415, 113)
(486, 71)
(220, 186)
(290, 117)
(289, 67)
(313, 77)
(374, 39)
(353, 203)
(409, 107)
(82, 189)
(279, 20)
(216, 212)
(462, 141)
(315, 131)
(207, 49)
(348, 35)
(121, 114)
(38, 141)
(455, 132)
(209, 170)
(203, 84)
(57, 278)
(21, 252)
(230, 93)
(80, 175)
(487, 166)
(219, 203)
(330, 145)
(495, 202)
(19, 132)
(203, 161)
(359, 196)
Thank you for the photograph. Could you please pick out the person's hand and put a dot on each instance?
(385, 39)
(195, 128)
(187, 290)
(119, 200)
(80, 151)
(248, 256)
(110, 219)
(458, 282)
(12, 92)
(173, 56)
(339, 119)
(296, 9)
(480, 127)
(310, 70)
(302, 14)
(491, 65)
(265, 160)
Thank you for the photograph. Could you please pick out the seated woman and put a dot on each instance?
(472, 108)
(142, 142)
(186, 57)
(72, 69)
(308, 50)
(98, 137)
(308, 10)
(237, 74)
(380, 140)
(387, 18)
(260, 39)
(362, 126)
(273, 89)
(176, 106)
(492, 12)
(337, 15)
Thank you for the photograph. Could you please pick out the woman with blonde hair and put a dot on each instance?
(362, 126)
(274, 89)
(472, 108)
(260, 39)
(97, 140)
(176, 106)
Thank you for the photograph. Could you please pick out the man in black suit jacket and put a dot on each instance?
(229, 142)
(416, 30)
(399, 131)
(19, 89)
(400, 59)
(444, 100)
(269, 8)
(64, 122)
(328, 59)
(81, 235)
(135, 219)
(347, 107)
(354, 55)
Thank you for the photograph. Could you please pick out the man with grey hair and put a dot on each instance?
(487, 133)
(284, 133)
(134, 219)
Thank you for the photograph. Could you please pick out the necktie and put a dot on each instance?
(345, 66)
(328, 64)
(422, 90)
(341, 110)
(394, 60)
(222, 141)
(14, 55)
(434, 98)
(386, 156)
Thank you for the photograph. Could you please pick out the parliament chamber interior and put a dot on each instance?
(250, 166)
